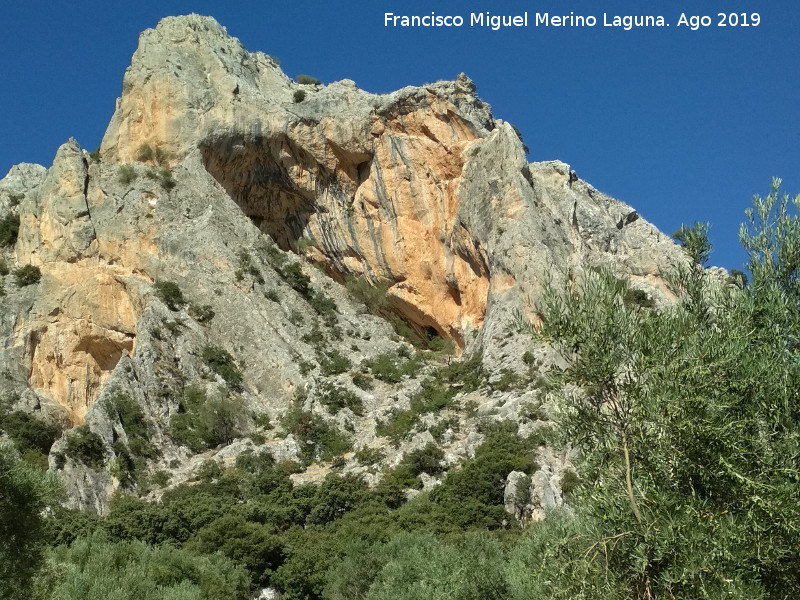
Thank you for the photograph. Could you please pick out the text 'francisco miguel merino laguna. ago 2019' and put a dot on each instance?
(489, 20)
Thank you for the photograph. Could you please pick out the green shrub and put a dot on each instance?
(299, 96)
(262, 421)
(369, 456)
(397, 425)
(127, 174)
(130, 459)
(324, 306)
(294, 276)
(94, 568)
(157, 156)
(204, 422)
(319, 440)
(315, 337)
(201, 313)
(170, 294)
(424, 460)
(166, 179)
(246, 265)
(221, 362)
(363, 381)
(438, 430)
(336, 496)
(336, 397)
(27, 432)
(3, 268)
(508, 380)
(307, 80)
(27, 275)
(482, 479)
(333, 363)
(391, 367)
(85, 446)
(9, 230)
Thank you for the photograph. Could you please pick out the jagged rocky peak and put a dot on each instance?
(420, 190)
(221, 176)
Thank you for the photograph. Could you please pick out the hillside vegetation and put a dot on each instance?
(687, 420)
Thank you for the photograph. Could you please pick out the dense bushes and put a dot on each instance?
(308, 540)
(85, 446)
(170, 294)
(27, 432)
(204, 422)
(25, 494)
(687, 420)
(319, 440)
(27, 275)
(9, 229)
(94, 568)
(221, 362)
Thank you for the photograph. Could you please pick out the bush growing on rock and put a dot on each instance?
(27, 275)
(9, 230)
(170, 294)
(85, 446)
(307, 80)
(204, 422)
(221, 362)
(127, 174)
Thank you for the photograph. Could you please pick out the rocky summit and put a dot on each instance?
(250, 262)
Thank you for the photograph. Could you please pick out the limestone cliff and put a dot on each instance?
(211, 155)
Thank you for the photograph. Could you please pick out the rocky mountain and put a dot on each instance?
(247, 260)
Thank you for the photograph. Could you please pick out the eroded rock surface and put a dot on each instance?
(213, 174)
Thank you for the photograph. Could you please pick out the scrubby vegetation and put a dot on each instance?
(130, 457)
(127, 174)
(155, 156)
(319, 440)
(221, 362)
(9, 229)
(27, 275)
(85, 446)
(307, 80)
(170, 294)
(31, 437)
(337, 397)
(204, 422)
(686, 417)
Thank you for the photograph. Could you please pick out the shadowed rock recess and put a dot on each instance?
(221, 175)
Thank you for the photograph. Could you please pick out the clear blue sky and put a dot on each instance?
(683, 125)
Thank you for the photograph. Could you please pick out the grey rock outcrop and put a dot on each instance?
(233, 197)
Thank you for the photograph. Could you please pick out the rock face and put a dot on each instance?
(215, 173)
(420, 189)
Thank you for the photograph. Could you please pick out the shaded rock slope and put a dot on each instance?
(257, 243)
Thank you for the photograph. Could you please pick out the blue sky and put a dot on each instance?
(683, 125)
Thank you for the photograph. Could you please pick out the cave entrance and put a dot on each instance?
(261, 176)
